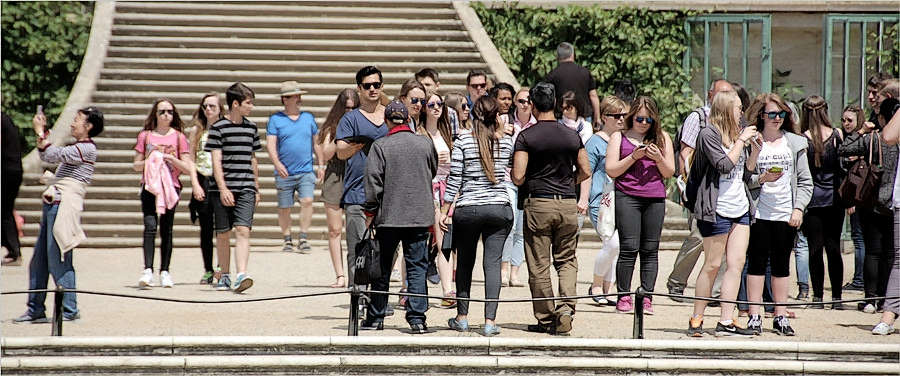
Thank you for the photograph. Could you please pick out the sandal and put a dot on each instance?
(448, 302)
(339, 282)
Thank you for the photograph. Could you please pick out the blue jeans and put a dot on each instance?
(415, 252)
(46, 261)
(801, 259)
(859, 245)
(304, 184)
(514, 248)
(767, 297)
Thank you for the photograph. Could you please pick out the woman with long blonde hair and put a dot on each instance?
(209, 111)
(724, 160)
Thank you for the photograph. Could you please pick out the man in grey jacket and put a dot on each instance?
(400, 205)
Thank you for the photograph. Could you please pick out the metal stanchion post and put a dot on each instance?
(639, 313)
(57, 311)
(353, 324)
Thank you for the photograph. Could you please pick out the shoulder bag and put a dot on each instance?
(860, 187)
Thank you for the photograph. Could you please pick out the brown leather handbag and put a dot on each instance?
(860, 187)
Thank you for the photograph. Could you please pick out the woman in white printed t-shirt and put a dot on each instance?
(784, 186)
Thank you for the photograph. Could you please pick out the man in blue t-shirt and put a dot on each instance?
(290, 137)
(355, 133)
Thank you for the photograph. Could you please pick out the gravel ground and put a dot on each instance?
(278, 273)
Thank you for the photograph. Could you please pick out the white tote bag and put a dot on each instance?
(606, 215)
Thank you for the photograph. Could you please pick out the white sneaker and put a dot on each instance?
(165, 280)
(146, 280)
(869, 308)
(883, 329)
(395, 276)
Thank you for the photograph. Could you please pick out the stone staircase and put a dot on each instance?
(181, 50)
(437, 355)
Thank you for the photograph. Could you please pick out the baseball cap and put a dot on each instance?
(396, 112)
(289, 88)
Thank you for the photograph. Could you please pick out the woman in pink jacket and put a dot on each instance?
(163, 133)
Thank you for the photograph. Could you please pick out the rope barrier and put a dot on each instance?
(356, 294)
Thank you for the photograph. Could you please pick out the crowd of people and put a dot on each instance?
(433, 172)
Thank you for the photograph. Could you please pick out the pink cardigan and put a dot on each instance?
(158, 181)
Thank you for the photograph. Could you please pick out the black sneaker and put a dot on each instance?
(372, 325)
(679, 299)
(695, 327)
(782, 326)
(853, 286)
(731, 330)
(541, 328)
(29, 319)
(816, 303)
(803, 294)
(418, 328)
(755, 324)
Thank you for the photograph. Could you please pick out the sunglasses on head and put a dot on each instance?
(478, 86)
(163, 112)
(434, 105)
(370, 85)
(417, 101)
(524, 101)
(644, 120)
(210, 106)
(617, 116)
(773, 114)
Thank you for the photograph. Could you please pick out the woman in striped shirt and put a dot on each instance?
(477, 173)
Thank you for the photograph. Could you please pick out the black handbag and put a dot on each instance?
(368, 259)
(447, 244)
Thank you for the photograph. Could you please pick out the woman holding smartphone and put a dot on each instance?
(724, 162)
(785, 187)
(639, 157)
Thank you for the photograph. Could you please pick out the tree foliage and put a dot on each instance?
(642, 45)
(43, 44)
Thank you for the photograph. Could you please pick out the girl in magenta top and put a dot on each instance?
(162, 132)
(639, 158)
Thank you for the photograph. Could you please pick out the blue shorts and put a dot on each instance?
(722, 225)
(304, 184)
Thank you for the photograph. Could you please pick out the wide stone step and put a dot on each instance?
(317, 55)
(317, 241)
(268, 101)
(282, 33)
(275, 65)
(309, 21)
(436, 355)
(252, 45)
(323, 89)
(287, 9)
(245, 75)
(186, 106)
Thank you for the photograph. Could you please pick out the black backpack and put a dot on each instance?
(677, 142)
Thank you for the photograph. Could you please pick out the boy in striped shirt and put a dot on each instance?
(234, 193)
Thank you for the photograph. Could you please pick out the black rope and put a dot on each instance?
(177, 300)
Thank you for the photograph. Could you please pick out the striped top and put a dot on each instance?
(468, 178)
(76, 160)
(238, 143)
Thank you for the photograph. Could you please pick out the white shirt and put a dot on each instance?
(732, 201)
(896, 199)
(775, 198)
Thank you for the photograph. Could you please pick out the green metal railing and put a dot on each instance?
(745, 20)
(851, 22)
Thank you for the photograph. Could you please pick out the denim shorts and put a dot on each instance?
(304, 184)
(241, 214)
(722, 225)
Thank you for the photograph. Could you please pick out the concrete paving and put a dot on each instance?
(277, 273)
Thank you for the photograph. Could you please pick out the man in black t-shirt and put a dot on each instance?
(12, 179)
(570, 76)
(549, 162)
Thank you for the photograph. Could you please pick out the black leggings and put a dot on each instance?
(639, 221)
(822, 228)
(771, 243)
(878, 234)
(492, 224)
(148, 206)
(10, 234)
(204, 213)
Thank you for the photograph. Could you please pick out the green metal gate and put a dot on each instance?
(719, 26)
(859, 50)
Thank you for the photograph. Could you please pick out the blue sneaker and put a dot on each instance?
(243, 282)
(224, 283)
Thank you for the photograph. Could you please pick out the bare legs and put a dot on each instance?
(333, 215)
(733, 246)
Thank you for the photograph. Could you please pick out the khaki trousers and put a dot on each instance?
(551, 235)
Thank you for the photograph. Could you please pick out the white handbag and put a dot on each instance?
(606, 214)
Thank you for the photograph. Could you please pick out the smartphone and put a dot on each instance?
(40, 109)
(775, 169)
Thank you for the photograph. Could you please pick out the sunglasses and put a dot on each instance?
(644, 120)
(847, 120)
(464, 106)
(210, 106)
(370, 85)
(617, 116)
(524, 102)
(417, 101)
(566, 108)
(773, 114)
(434, 105)
(478, 86)
(163, 112)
